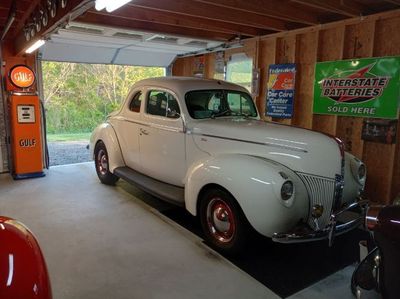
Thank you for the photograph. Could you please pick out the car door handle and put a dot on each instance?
(144, 132)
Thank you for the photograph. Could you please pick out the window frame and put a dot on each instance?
(157, 89)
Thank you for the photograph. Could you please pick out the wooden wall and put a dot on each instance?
(372, 36)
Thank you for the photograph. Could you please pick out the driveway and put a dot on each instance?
(68, 152)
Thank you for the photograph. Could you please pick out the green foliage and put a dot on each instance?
(78, 97)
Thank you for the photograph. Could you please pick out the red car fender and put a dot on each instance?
(23, 271)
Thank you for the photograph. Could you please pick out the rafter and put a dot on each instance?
(271, 8)
(202, 10)
(173, 19)
(347, 8)
(123, 23)
(396, 2)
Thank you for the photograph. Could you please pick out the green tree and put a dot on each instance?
(78, 97)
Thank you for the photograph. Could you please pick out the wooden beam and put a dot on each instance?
(161, 17)
(206, 11)
(271, 8)
(27, 13)
(341, 7)
(396, 2)
(123, 23)
(62, 16)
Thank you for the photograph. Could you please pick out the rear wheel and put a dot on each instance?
(102, 165)
(223, 222)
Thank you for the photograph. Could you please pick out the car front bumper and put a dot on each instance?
(331, 230)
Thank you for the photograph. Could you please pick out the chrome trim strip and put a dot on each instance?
(161, 127)
(292, 148)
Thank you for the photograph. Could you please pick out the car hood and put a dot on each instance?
(299, 149)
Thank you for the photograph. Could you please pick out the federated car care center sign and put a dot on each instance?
(280, 94)
(363, 87)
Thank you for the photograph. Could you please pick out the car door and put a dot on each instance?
(127, 128)
(162, 138)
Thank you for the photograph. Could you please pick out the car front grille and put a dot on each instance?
(321, 191)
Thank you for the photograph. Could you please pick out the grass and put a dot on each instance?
(68, 137)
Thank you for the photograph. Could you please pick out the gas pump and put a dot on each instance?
(25, 124)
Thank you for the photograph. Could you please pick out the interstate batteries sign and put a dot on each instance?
(363, 87)
(280, 94)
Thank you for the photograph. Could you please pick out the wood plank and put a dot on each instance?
(380, 158)
(178, 67)
(330, 47)
(359, 41)
(267, 56)
(348, 8)
(62, 16)
(285, 53)
(271, 8)
(211, 12)
(306, 56)
(123, 23)
(182, 21)
(395, 192)
(209, 66)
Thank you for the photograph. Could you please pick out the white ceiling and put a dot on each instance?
(83, 43)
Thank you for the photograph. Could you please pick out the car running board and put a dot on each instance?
(164, 191)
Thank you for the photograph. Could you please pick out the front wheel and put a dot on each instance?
(224, 225)
(102, 165)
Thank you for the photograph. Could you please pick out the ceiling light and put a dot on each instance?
(110, 5)
(35, 46)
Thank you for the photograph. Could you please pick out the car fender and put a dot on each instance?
(23, 271)
(106, 133)
(255, 183)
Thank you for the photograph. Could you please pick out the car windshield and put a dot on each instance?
(217, 103)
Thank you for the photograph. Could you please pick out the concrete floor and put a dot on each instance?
(102, 242)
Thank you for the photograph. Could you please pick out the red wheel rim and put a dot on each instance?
(220, 220)
(102, 162)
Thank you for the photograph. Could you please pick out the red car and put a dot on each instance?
(23, 271)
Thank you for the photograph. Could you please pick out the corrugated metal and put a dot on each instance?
(321, 191)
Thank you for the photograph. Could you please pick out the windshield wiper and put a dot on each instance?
(221, 113)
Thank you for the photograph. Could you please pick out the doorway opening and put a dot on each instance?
(78, 97)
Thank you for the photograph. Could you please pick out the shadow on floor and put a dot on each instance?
(283, 268)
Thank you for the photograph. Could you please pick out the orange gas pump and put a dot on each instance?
(25, 124)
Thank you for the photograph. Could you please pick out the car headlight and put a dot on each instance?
(287, 190)
(359, 171)
(362, 171)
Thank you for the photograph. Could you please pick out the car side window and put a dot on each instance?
(136, 101)
(162, 103)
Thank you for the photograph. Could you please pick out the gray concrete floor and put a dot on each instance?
(105, 242)
(102, 242)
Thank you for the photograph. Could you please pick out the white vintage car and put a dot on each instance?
(201, 144)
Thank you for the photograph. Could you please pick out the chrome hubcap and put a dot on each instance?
(102, 162)
(220, 220)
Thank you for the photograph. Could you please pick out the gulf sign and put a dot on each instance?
(22, 76)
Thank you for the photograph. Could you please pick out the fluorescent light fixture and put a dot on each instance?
(100, 4)
(35, 46)
(110, 5)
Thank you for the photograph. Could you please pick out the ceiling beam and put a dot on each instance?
(134, 25)
(396, 2)
(202, 10)
(27, 13)
(161, 17)
(62, 17)
(272, 8)
(342, 7)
